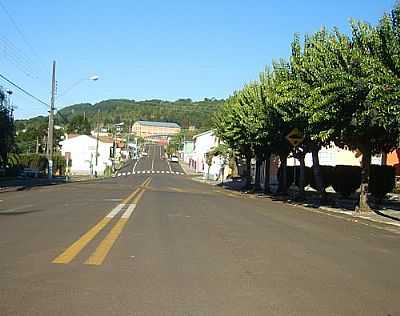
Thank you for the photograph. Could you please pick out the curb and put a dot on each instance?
(339, 213)
(12, 189)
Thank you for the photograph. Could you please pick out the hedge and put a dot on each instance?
(346, 179)
(290, 175)
(381, 181)
(327, 173)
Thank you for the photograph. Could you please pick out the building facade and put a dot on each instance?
(203, 144)
(80, 150)
(155, 130)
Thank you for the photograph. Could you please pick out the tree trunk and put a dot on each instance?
(302, 178)
(248, 172)
(267, 173)
(365, 167)
(283, 174)
(258, 174)
(317, 172)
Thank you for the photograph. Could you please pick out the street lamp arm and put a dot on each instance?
(92, 78)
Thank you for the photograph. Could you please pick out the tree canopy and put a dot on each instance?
(334, 88)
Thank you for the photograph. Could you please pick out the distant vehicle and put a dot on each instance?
(144, 154)
(174, 159)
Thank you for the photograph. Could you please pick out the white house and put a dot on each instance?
(203, 143)
(81, 150)
(333, 155)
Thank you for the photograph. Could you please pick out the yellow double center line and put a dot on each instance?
(105, 246)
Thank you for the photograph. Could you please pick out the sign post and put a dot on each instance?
(295, 138)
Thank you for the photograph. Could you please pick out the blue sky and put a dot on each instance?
(155, 49)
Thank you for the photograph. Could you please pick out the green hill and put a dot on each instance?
(185, 112)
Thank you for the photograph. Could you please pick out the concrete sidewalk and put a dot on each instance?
(387, 213)
(189, 171)
(14, 185)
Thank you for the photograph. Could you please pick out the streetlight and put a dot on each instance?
(91, 78)
(10, 92)
(51, 116)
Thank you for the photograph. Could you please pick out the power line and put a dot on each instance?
(11, 53)
(24, 91)
(19, 31)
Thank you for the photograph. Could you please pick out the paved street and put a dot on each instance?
(154, 163)
(161, 244)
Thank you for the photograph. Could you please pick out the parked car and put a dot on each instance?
(174, 159)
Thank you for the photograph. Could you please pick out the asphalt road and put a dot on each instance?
(162, 244)
(154, 163)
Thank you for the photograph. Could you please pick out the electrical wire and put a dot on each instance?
(16, 56)
(24, 91)
(19, 31)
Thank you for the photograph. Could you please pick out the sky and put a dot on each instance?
(154, 49)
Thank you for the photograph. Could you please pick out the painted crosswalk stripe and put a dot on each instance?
(158, 171)
(118, 175)
(162, 171)
(129, 173)
(148, 171)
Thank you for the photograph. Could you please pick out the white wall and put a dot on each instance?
(203, 144)
(83, 155)
(332, 156)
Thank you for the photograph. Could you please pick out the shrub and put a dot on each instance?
(34, 161)
(346, 179)
(290, 175)
(59, 164)
(381, 181)
(327, 173)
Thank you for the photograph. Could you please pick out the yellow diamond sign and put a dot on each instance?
(295, 137)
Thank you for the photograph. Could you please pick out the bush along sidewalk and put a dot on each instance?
(346, 181)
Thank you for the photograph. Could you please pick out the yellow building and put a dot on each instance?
(150, 129)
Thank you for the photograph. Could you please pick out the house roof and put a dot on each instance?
(211, 131)
(158, 124)
(103, 139)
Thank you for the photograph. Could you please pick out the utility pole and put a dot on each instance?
(97, 141)
(51, 123)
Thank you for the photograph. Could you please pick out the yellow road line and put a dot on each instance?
(72, 251)
(101, 252)
(105, 246)
(68, 255)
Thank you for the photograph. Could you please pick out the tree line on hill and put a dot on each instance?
(82, 118)
(185, 112)
(335, 88)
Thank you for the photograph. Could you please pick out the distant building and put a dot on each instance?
(80, 150)
(155, 130)
(203, 144)
(393, 159)
(187, 152)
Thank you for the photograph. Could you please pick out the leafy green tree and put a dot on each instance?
(232, 127)
(355, 102)
(79, 125)
(7, 129)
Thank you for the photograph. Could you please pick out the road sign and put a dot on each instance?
(295, 137)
